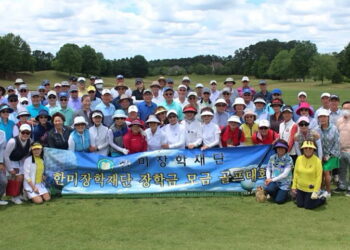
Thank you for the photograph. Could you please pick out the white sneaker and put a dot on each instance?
(324, 194)
(23, 197)
(3, 203)
(16, 200)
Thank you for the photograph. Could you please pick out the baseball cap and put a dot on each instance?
(261, 82)
(119, 77)
(147, 91)
(25, 127)
(106, 92)
(229, 79)
(325, 95)
(73, 88)
(245, 78)
(264, 123)
(186, 78)
(133, 108)
(199, 85)
(51, 92)
(81, 79)
(182, 86)
(276, 91)
(213, 82)
(302, 93)
(167, 89)
(206, 90)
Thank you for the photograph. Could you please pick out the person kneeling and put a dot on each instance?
(278, 173)
(34, 175)
(308, 178)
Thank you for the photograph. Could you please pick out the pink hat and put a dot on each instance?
(136, 122)
(305, 105)
(303, 119)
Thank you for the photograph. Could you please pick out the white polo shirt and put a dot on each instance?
(193, 132)
(210, 134)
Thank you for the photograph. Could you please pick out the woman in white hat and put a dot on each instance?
(174, 132)
(116, 132)
(192, 127)
(307, 178)
(210, 131)
(34, 175)
(160, 114)
(249, 127)
(134, 140)
(133, 114)
(16, 151)
(154, 135)
(23, 118)
(98, 134)
(232, 135)
(239, 107)
(330, 147)
(79, 139)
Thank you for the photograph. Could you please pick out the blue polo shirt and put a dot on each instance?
(34, 111)
(146, 109)
(7, 128)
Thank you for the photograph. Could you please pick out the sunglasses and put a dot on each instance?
(264, 128)
(63, 99)
(52, 97)
(25, 133)
(206, 93)
(5, 111)
(13, 100)
(191, 98)
(74, 91)
(247, 94)
(276, 94)
(41, 90)
(303, 124)
(24, 103)
(80, 124)
(23, 90)
(91, 92)
(169, 94)
(120, 118)
(42, 117)
(226, 93)
(304, 109)
(182, 90)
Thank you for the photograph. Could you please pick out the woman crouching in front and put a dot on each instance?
(308, 178)
(34, 175)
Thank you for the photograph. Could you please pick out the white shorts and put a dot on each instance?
(31, 194)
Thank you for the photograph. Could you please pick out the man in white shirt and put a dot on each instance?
(157, 96)
(214, 93)
(174, 131)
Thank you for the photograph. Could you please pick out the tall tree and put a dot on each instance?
(90, 61)
(68, 59)
(280, 67)
(139, 66)
(323, 67)
(42, 60)
(302, 58)
(344, 61)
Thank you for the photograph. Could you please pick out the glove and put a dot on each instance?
(314, 196)
(125, 151)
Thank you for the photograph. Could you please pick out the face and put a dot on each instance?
(58, 89)
(162, 83)
(125, 103)
(263, 130)
(24, 135)
(80, 127)
(213, 87)
(303, 126)
(304, 112)
(23, 93)
(13, 102)
(133, 115)
(249, 119)
(155, 90)
(168, 95)
(37, 152)
(161, 116)
(245, 83)
(186, 82)
(47, 87)
(63, 102)
(74, 94)
(334, 104)
(118, 80)
(229, 84)
(172, 119)
(97, 120)
(86, 102)
(36, 100)
(192, 100)
(5, 114)
(119, 121)
(325, 101)
(139, 85)
(52, 99)
(92, 94)
(220, 107)
(276, 108)
(43, 119)
(107, 98)
(82, 85)
(247, 97)
(199, 91)
(226, 95)
(287, 116)
(206, 96)
(280, 151)
(65, 88)
(233, 125)
(58, 122)
(147, 97)
(275, 96)
(263, 87)
(308, 152)
(135, 129)
(302, 98)
(259, 105)
(239, 108)
(121, 90)
(323, 120)
(189, 115)
(182, 92)
(153, 125)
(23, 118)
(346, 106)
(207, 118)
(42, 92)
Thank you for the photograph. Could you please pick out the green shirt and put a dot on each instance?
(68, 114)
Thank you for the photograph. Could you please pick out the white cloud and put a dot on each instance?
(172, 29)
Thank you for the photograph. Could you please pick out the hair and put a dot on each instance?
(2, 90)
(96, 111)
(31, 151)
(344, 103)
(84, 96)
(59, 115)
(281, 141)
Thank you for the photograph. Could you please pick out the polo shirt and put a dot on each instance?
(146, 109)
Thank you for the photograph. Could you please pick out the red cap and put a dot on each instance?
(189, 109)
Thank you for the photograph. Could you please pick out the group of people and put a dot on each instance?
(82, 117)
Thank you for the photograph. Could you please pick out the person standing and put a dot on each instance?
(3, 179)
(6, 124)
(288, 129)
(210, 131)
(146, 107)
(134, 140)
(67, 112)
(170, 104)
(154, 135)
(174, 131)
(98, 134)
(193, 131)
(221, 116)
(106, 107)
(59, 134)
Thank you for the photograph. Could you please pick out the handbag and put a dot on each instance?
(13, 188)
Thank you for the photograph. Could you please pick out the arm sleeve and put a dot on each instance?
(284, 174)
(216, 138)
(182, 140)
(318, 175)
(111, 142)
(293, 131)
(71, 144)
(8, 150)
(105, 144)
(26, 169)
(92, 137)
(15, 131)
(319, 148)
(199, 137)
(269, 168)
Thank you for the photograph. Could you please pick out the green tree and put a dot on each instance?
(323, 67)
(344, 61)
(139, 66)
(90, 61)
(280, 67)
(302, 58)
(68, 59)
(42, 60)
(262, 67)
(201, 69)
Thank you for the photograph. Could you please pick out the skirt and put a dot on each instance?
(331, 164)
(31, 194)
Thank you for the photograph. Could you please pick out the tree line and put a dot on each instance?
(266, 59)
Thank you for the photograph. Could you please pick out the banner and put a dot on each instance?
(238, 169)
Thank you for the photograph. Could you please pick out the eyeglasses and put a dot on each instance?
(169, 94)
(264, 128)
(13, 100)
(5, 111)
(25, 133)
(303, 124)
(52, 97)
(23, 90)
(91, 92)
(63, 99)
(24, 103)
(42, 117)
(221, 105)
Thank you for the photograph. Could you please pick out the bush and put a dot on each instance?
(337, 77)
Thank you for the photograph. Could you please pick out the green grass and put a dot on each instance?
(174, 223)
(290, 89)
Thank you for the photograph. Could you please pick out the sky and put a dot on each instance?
(159, 29)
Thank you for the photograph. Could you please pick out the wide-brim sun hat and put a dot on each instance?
(249, 112)
(119, 113)
(235, 119)
(323, 112)
(264, 123)
(305, 105)
(281, 144)
(79, 120)
(152, 118)
(239, 101)
(136, 122)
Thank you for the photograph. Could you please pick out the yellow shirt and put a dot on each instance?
(307, 174)
(248, 133)
(39, 170)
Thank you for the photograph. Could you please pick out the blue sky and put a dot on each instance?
(161, 29)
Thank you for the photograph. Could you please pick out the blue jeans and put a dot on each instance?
(279, 196)
(304, 200)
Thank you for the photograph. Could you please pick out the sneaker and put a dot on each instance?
(324, 194)
(347, 193)
(339, 190)
(3, 203)
(16, 200)
(23, 197)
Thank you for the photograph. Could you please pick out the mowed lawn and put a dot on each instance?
(236, 222)
(174, 223)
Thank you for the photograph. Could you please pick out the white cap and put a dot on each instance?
(220, 100)
(199, 85)
(171, 111)
(81, 79)
(259, 100)
(25, 127)
(51, 92)
(182, 86)
(192, 94)
(245, 78)
(322, 112)
(303, 119)
(207, 112)
(98, 81)
(213, 81)
(97, 113)
(302, 93)
(19, 80)
(22, 99)
(234, 118)
(23, 86)
(186, 78)
(57, 84)
(79, 120)
(239, 100)
(105, 91)
(325, 95)
(229, 79)
(264, 123)
(133, 108)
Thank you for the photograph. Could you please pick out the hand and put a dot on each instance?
(165, 146)
(13, 172)
(93, 149)
(125, 151)
(36, 190)
(190, 146)
(267, 181)
(204, 147)
(294, 191)
(2, 167)
(314, 196)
